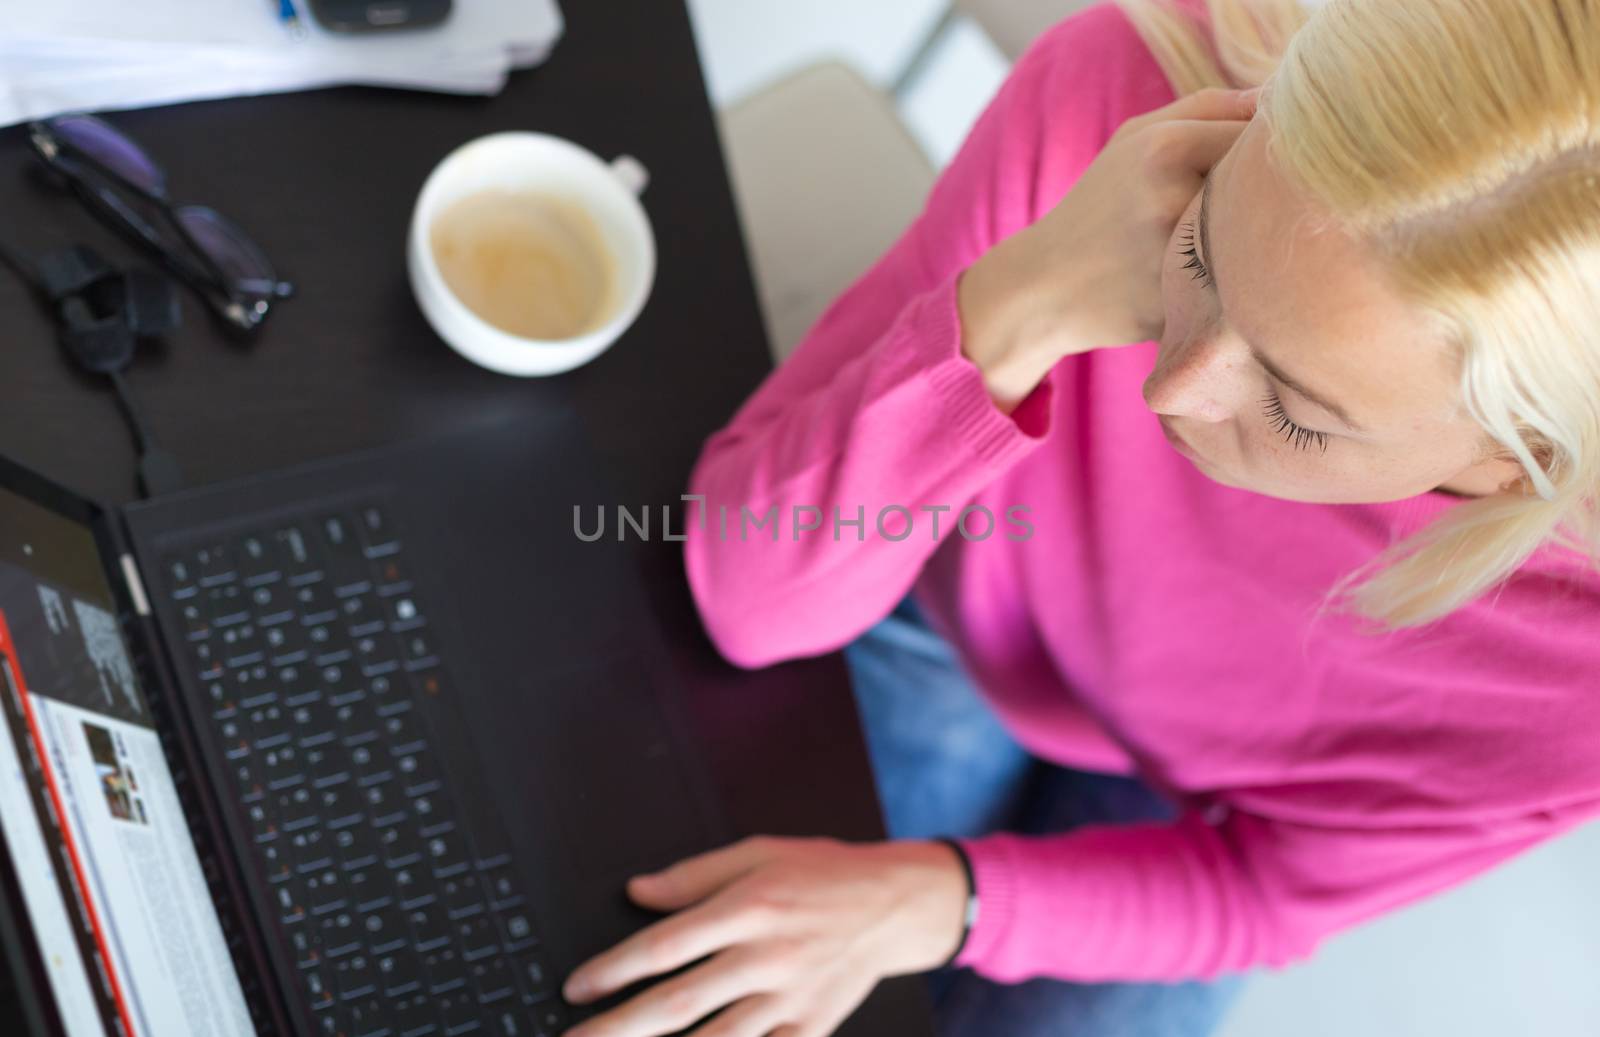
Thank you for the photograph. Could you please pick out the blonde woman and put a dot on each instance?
(1240, 455)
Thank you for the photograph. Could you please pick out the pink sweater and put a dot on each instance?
(1154, 618)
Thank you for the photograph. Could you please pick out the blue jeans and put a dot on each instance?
(945, 766)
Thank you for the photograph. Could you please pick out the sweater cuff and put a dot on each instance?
(995, 877)
(996, 437)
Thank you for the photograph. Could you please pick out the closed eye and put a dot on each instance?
(1187, 241)
(1302, 437)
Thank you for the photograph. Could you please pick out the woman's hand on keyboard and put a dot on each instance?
(798, 932)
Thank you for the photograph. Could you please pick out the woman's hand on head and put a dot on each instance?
(1088, 272)
(789, 936)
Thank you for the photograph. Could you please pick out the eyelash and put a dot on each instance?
(1302, 438)
(1201, 273)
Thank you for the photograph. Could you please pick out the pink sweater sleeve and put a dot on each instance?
(1191, 899)
(878, 408)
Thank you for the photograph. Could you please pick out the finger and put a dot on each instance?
(1210, 103)
(676, 1003)
(684, 937)
(1201, 144)
(755, 1016)
(696, 878)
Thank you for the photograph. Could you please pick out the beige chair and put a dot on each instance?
(1013, 24)
(826, 178)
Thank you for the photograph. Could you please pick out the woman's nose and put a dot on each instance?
(1196, 379)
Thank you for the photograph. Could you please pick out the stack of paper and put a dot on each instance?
(77, 55)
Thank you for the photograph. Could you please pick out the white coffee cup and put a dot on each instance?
(539, 162)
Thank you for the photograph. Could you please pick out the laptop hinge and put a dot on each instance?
(130, 573)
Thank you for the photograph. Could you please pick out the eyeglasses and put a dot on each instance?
(116, 178)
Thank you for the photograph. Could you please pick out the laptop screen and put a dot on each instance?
(125, 930)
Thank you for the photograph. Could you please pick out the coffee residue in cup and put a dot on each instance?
(529, 263)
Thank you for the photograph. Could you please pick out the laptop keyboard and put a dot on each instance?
(314, 653)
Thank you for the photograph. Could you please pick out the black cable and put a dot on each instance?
(130, 410)
(158, 468)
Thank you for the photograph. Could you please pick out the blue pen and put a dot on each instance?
(289, 17)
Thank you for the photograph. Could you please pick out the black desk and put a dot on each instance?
(325, 181)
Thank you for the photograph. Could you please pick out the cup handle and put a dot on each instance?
(634, 176)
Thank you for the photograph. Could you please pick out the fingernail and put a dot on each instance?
(575, 989)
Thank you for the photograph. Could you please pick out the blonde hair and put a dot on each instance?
(1461, 140)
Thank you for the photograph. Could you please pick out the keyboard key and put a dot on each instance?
(533, 976)
(493, 981)
(316, 980)
(508, 1022)
(400, 733)
(378, 535)
(207, 663)
(463, 896)
(315, 603)
(416, 650)
(500, 887)
(303, 944)
(399, 974)
(393, 576)
(240, 645)
(416, 1017)
(369, 1016)
(326, 766)
(339, 934)
(403, 612)
(477, 937)
(307, 849)
(273, 603)
(258, 562)
(286, 644)
(458, 1013)
(385, 927)
(195, 623)
(356, 847)
(311, 718)
(519, 930)
(294, 549)
(376, 653)
(385, 694)
(225, 605)
(430, 931)
(361, 614)
(345, 564)
(409, 887)
(549, 1019)
(352, 978)
(214, 565)
(181, 579)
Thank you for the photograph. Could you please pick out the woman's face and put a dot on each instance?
(1288, 368)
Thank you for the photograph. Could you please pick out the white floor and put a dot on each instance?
(1514, 953)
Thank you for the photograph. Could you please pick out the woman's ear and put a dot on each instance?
(1516, 478)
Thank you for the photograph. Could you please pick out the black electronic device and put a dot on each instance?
(368, 747)
(378, 15)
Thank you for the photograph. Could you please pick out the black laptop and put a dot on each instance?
(367, 748)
